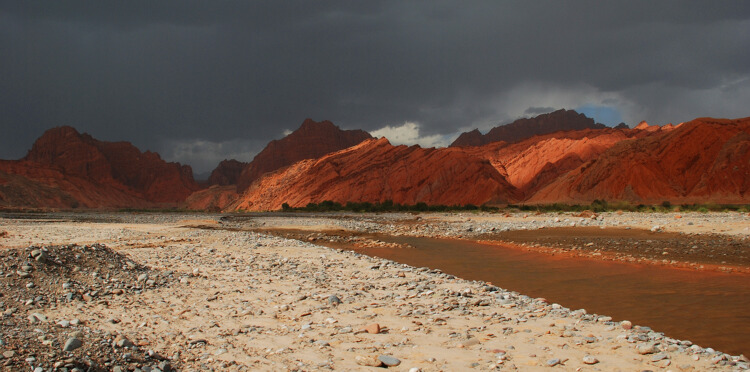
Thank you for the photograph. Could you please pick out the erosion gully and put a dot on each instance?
(711, 309)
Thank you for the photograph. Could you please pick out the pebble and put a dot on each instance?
(389, 361)
(626, 324)
(588, 359)
(344, 330)
(165, 366)
(37, 317)
(646, 349)
(334, 300)
(373, 328)
(664, 363)
(72, 344)
(122, 341)
(553, 362)
(41, 256)
(368, 360)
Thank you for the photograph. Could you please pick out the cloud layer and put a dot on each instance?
(409, 134)
(159, 73)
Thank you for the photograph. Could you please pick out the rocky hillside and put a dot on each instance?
(226, 173)
(376, 171)
(65, 168)
(705, 160)
(560, 120)
(312, 140)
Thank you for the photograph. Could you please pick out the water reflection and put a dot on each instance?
(710, 309)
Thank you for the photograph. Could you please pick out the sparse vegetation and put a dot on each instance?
(157, 210)
(603, 206)
(597, 206)
(385, 206)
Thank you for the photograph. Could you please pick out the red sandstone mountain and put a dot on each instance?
(226, 173)
(215, 198)
(705, 160)
(533, 163)
(77, 170)
(376, 171)
(560, 120)
(25, 184)
(310, 141)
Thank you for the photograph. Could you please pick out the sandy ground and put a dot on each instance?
(248, 301)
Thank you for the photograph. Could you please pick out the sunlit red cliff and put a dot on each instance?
(376, 171)
(705, 160)
(702, 161)
(312, 140)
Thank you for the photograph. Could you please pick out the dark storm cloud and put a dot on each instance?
(206, 75)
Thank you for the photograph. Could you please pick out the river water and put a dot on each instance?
(710, 309)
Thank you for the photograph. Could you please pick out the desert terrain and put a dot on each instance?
(149, 291)
(437, 186)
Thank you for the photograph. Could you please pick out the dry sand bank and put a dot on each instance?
(237, 300)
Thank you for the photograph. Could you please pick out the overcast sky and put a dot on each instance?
(200, 81)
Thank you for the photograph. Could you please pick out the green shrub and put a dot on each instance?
(596, 206)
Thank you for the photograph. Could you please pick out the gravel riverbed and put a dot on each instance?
(199, 292)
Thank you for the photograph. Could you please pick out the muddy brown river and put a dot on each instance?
(711, 309)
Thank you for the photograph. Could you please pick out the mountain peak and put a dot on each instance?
(143, 173)
(312, 125)
(560, 120)
(226, 173)
(312, 140)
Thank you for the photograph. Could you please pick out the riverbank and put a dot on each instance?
(218, 297)
(694, 241)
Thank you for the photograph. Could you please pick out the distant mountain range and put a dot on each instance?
(556, 121)
(67, 169)
(560, 157)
